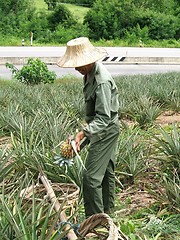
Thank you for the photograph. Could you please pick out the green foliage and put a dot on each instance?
(58, 27)
(103, 19)
(171, 195)
(106, 20)
(40, 5)
(109, 21)
(137, 33)
(158, 5)
(14, 6)
(9, 40)
(88, 3)
(63, 34)
(169, 149)
(174, 101)
(5, 168)
(38, 119)
(61, 15)
(39, 25)
(163, 227)
(13, 14)
(127, 227)
(132, 155)
(145, 111)
(158, 91)
(160, 25)
(23, 219)
(35, 72)
(78, 11)
(51, 4)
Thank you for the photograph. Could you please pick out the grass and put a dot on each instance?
(148, 43)
(40, 5)
(78, 11)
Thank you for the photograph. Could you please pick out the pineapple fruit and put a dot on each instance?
(66, 150)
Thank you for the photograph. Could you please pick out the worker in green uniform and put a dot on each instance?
(101, 129)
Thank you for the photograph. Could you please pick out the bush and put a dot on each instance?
(160, 25)
(109, 21)
(61, 15)
(63, 35)
(34, 72)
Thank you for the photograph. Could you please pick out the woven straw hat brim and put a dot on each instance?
(80, 52)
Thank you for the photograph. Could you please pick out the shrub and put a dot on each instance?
(61, 15)
(160, 25)
(63, 34)
(34, 72)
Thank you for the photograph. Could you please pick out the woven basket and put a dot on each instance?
(100, 226)
(66, 193)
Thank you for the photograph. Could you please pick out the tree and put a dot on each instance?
(112, 19)
(61, 15)
(160, 25)
(51, 4)
(13, 13)
(14, 6)
(107, 19)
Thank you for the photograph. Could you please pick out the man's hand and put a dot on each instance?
(79, 136)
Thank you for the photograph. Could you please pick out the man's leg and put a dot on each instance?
(108, 184)
(97, 163)
(108, 188)
(92, 180)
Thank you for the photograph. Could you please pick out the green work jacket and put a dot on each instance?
(101, 103)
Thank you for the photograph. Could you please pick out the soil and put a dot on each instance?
(168, 118)
(134, 200)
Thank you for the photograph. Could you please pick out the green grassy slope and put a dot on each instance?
(78, 11)
(40, 4)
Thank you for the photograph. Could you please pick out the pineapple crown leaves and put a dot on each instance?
(63, 162)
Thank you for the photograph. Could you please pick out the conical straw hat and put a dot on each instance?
(80, 52)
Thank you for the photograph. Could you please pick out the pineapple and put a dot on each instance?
(66, 150)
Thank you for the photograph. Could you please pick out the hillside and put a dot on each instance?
(78, 11)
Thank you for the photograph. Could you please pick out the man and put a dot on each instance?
(102, 129)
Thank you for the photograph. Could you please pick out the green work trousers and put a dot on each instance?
(99, 177)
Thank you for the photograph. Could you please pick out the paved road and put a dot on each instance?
(115, 70)
(112, 51)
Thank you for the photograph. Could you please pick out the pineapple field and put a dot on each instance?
(34, 122)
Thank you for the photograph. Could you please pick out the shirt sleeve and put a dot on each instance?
(102, 110)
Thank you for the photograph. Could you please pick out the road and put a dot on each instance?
(114, 69)
(112, 51)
